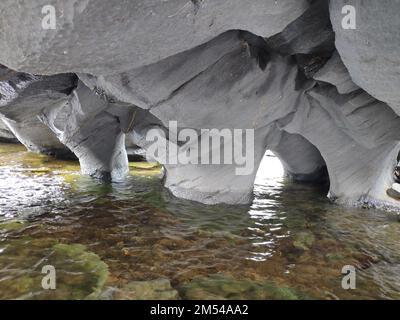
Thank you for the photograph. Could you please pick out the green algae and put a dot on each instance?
(149, 169)
(334, 256)
(158, 289)
(224, 287)
(94, 270)
(304, 240)
(7, 148)
(139, 232)
(31, 162)
(11, 225)
(80, 274)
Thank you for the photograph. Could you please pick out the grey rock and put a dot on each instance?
(231, 93)
(301, 160)
(93, 132)
(5, 134)
(310, 33)
(269, 66)
(105, 37)
(335, 73)
(23, 97)
(309, 128)
(358, 138)
(370, 52)
(150, 85)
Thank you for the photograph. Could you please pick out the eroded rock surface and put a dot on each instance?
(324, 99)
(109, 36)
(94, 131)
(23, 97)
(370, 52)
(5, 134)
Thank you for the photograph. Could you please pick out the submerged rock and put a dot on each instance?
(303, 240)
(394, 191)
(221, 287)
(159, 289)
(82, 261)
(11, 225)
(80, 274)
(145, 169)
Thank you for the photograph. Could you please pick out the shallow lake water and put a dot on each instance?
(133, 240)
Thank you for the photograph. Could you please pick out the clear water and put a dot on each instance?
(133, 240)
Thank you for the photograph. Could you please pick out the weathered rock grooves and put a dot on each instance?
(324, 99)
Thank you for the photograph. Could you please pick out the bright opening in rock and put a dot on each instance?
(271, 168)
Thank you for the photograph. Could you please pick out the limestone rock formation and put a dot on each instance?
(357, 136)
(104, 37)
(94, 131)
(323, 98)
(335, 73)
(370, 52)
(301, 159)
(23, 97)
(300, 36)
(5, 134)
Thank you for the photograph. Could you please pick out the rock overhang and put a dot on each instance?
(271, 66)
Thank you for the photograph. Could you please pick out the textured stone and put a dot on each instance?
(233, 93)
(358, 138)
(301, 160)
(5, 134)
(159, 289)
(335, 73)
(269, 66)
(103, 37)
(93, 132)
(310, 33)
(370, 52)
(23, 97)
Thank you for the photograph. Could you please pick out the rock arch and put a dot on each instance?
(301, 160)
(210, 66)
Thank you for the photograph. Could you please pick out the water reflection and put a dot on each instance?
(112, 240)
(269, 182)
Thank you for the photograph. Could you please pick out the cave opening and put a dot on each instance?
(293, 160)
(270, 169)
